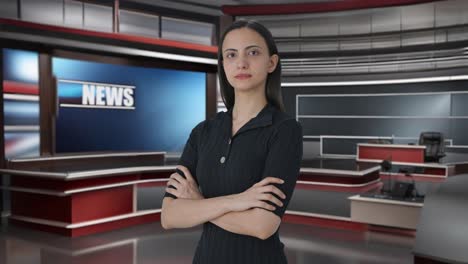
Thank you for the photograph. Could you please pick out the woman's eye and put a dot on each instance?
(253, 52)
(230, 55)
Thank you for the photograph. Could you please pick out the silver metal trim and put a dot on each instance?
(457, 146)
(83, 224)
(380, 94)
(382, 117)
(424, 165)
(374, 82)
(21, 97)
(98, 107)
(342, 172)
(80, 190)
(340, 184)
(87, 174)
(85, 156)
(391, 146)
(341, 218)
(21, 128)
(384, 201)
(107, 48)
(417, 175)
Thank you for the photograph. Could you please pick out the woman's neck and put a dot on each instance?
(247, 106)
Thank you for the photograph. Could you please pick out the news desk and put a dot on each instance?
(408, 165)
(76, 195)
(411, 157)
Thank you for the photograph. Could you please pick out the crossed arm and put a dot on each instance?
(242, 213)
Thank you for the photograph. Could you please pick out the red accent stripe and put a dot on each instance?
(435, 171)
(94, 205)
(393, 230)
(338, 178)
(138, 220)
(342, 5)
(415, 155)
(77, 208)
(41, 206)
(116, 36)
(20, 88)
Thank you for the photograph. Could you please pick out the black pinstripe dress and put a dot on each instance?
(268, 145)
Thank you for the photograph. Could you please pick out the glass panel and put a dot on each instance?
(73, 14)
(42, 11)
(185, 30)
(381, 105)
(8, 9)
(98, 17)
(139, 23)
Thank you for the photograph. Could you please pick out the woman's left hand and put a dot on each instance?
(185, 188)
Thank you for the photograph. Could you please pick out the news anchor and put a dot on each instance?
(238, 170)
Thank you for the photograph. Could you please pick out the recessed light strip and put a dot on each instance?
(374, 82)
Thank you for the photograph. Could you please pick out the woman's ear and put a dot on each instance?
(273, 62)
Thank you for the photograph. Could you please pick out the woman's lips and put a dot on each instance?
(243, 76)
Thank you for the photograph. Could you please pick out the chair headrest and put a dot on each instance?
(431, 136)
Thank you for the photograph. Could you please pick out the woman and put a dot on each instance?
(238, 171)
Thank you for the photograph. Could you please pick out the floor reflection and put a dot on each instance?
(152, 244)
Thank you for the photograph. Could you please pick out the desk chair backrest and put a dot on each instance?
(435, 145)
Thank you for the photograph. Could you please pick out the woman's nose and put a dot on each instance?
(242, 63)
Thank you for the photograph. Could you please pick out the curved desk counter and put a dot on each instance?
(338, 172)
(323, 188)
(76, 195)
(83, 194)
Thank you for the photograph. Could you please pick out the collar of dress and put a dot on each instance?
(263, 118)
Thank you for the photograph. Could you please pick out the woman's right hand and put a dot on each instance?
(258, 195)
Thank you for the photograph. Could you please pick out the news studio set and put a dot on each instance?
(100, 98)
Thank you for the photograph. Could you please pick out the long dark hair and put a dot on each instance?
(273, 82)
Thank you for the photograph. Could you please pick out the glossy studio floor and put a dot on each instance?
(150, 243)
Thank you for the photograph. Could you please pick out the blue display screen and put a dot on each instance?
(107, 107)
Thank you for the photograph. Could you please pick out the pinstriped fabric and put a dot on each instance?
(223, 164)
(234, 248)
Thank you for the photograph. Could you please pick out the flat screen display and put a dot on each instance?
(113, 107)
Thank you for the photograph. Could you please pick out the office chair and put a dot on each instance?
(435, 145)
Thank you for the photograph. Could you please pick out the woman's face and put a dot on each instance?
(246, 59)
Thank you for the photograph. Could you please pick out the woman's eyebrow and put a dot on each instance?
(246, 48)
(229, 50)
(252, 46)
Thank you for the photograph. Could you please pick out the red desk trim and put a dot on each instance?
(415, 155)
